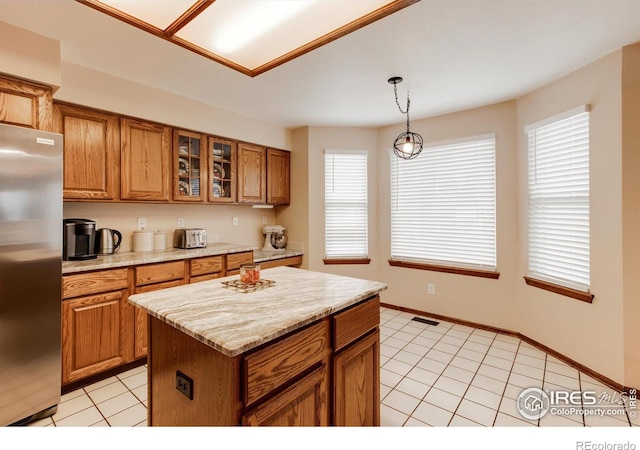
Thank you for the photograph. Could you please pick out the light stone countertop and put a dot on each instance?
(171, 254)
(234, 322)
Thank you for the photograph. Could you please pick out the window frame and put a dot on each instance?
(568, 288)
(456, 267)
(348, 259)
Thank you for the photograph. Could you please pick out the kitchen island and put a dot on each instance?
(303, 350)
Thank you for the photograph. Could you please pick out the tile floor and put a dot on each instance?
(445, 375)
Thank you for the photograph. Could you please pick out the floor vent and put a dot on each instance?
(427, 321)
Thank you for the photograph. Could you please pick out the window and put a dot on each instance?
(345, 208)
(558, 161)
(443, 208)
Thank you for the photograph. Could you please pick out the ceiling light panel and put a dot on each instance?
(160, 14)
(254, 32)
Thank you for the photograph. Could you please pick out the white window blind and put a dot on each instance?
(558, 152)
(443, 205)
(345, 207)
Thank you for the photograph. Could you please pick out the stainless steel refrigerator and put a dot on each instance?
(30, 273)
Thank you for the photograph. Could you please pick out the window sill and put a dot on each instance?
(562, 290)
(328, 261)
(446, 269)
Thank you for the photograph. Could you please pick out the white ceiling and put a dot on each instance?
(452, 54)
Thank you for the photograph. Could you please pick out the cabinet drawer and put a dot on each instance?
(156, 273)
(205, 266)
(349, 325)
(93, 282)
(235, 260)
(282, 361)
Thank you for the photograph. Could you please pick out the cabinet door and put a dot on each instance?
(222, 156)
(356, 389)
(26, 104)
(94, 334)
(145, 154)
(303, 404)
(91, 152)
(252, 184)
(278, 177)
(189, 166)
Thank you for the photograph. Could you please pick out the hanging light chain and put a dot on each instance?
(395, 91)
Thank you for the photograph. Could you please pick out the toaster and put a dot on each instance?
(190, 238)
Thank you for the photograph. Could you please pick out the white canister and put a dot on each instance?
(143, 241)
(159, 240)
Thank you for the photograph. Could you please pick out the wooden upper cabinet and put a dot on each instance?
(252, 165)
(146, 160)
(222, 156)
(91, 152)
(26, 104)
(189, 166)
(278, 177)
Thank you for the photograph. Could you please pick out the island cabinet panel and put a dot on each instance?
(94, 334)
(354, 322)
(91, 152)
(26, 104)
(275, 365)
(356, 388)
(146, 160)
(216, 392)
(303, 404)
(356, 365)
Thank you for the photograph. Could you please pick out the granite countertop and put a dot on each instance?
(171, 254)
(234, 322)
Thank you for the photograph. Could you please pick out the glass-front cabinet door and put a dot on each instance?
(189, 167)
(222, 170)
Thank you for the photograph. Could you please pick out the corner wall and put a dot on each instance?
(591, 334)
(631, 211)
(480, 300)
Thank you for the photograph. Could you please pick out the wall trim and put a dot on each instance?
(576, 365)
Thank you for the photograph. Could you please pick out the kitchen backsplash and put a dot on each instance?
(216, 219)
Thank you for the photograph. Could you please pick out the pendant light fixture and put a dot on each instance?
(407, 145)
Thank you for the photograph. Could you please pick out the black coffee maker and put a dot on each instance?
(78, 239)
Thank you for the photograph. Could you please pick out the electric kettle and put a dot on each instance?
(107, 241)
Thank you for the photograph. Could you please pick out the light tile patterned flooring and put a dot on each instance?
(444, 375)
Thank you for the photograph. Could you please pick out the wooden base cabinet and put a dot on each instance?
(356, 375)
(285, 382)
(304, 404)
(95, 323)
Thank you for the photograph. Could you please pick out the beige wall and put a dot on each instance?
(485, 301)
(591, 334)
(603, 335)
(30, 56)
(631, 210)
(296, 215)
(216, 219)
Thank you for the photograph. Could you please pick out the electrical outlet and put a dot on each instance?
(264, 220)
(142, 223)
(234, 220)
(431, 289)
(180, 222)
(184, 385)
